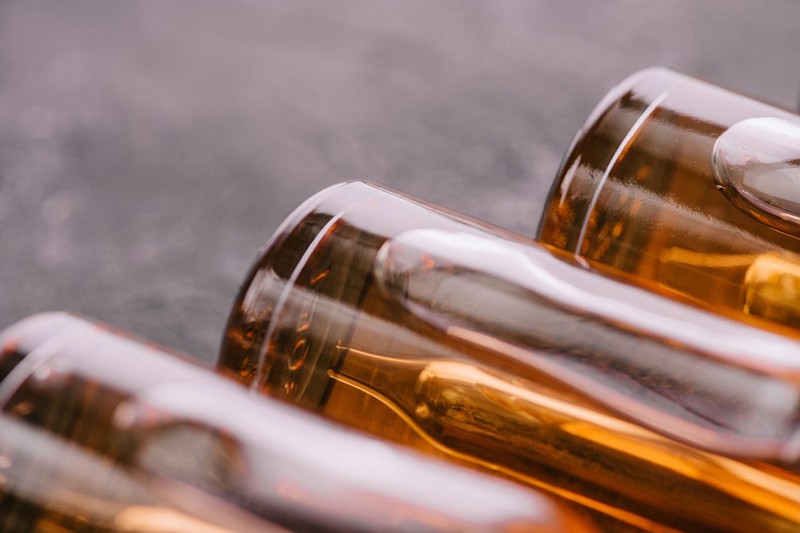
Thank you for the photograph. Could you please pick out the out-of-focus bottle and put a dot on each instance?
(689, 190)
(470, 343)
(101, 433)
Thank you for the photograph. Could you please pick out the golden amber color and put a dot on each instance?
(643, 194)
(472, 344)
(103, 433)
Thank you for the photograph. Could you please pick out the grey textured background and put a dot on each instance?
(148, 149)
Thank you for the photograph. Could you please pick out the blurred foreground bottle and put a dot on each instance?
(101, 433)
(468, 342)
(691, 190)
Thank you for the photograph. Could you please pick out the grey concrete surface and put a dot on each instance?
(149, 148)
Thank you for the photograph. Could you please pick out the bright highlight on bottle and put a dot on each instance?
(101, 432)
(476, 345)
(688, 190)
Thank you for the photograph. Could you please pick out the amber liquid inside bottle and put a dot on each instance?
(102, 433)
(688, 190)
(467, 342)
(51, 486)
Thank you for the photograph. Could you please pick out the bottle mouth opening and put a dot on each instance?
(10, 357)
(29, 341)
(288, 321)
(574, 193)
(21, 338)
(245, 352)
(283, 330)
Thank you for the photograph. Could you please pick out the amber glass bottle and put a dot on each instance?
(689, 190)
(102, 433)
(468, 342)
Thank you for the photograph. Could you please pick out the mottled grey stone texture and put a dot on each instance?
(148, 149)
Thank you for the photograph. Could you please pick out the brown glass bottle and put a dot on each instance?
(102, 433)
(468, 342)
(689, 190)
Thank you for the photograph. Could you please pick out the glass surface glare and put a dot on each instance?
(688, 190)
(474, 344)
(102, 433)
(757, 165)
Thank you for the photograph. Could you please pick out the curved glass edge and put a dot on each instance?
(652, 82)
(240, 348)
